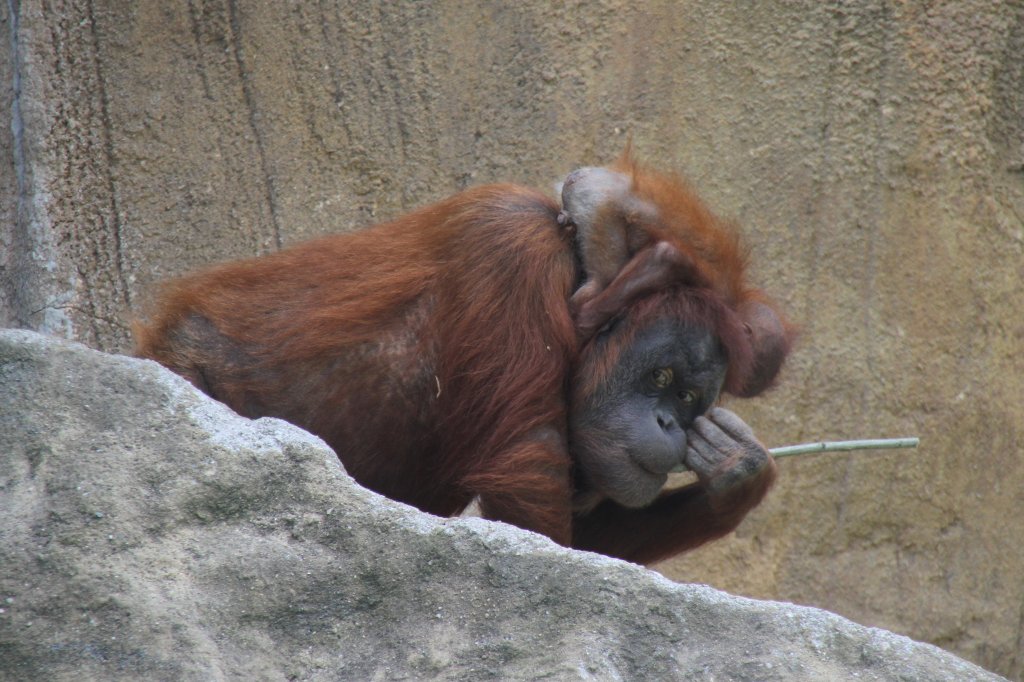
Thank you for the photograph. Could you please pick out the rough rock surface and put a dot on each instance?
(872, 151)
(151, 533)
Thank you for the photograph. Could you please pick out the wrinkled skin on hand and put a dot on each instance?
(726, 456)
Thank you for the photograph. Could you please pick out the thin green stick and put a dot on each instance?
(844, 445)
(835, 446)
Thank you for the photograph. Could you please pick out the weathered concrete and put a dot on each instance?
(873, 152)
(150, 533)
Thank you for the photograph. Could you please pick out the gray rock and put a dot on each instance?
(151, 533)
(871, 152)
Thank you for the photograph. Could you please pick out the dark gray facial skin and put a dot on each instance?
(628, 436)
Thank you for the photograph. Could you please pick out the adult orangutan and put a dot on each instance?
(438, 356)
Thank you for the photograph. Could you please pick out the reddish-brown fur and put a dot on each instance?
(435, 354)
(438, 345)
(685, 248)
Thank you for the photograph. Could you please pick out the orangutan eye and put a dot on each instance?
(662, 377)
(688, 397)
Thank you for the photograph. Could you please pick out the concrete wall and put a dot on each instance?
(872, 151)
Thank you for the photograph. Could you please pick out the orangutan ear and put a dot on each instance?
(770, 340)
